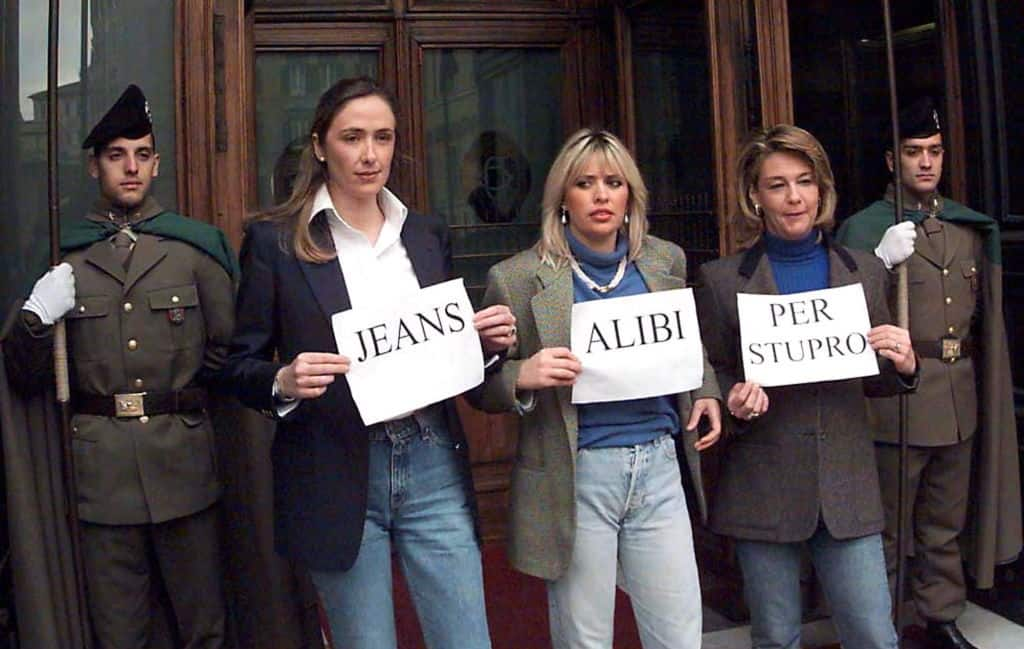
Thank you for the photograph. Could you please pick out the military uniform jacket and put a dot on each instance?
(542, 518)
(809, 457)
(956, 282)
(162, 324)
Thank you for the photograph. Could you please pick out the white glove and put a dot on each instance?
(53, 295)
(897, 243)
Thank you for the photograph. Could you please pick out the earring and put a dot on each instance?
(321, 158)
(565, 215)
(758, 211)
(625, 219)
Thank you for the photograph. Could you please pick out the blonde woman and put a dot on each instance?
(799, 473)
(597, 488)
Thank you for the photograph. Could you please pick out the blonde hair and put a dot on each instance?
(312, 174)
(553, 247)
(782, 138)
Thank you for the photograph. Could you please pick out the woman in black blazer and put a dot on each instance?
(346, 494)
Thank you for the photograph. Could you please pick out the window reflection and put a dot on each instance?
(287, 89)
(100, 42)
(492, 124)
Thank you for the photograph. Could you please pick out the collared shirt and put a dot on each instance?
(375, 273)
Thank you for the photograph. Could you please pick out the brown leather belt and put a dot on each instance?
(947, 349)
(138, 404)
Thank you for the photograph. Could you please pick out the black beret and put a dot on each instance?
(129, 117)
(919, 119)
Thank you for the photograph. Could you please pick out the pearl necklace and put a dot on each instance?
(620, 272)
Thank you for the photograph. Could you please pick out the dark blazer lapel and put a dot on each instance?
(756, 272)
(842, 269)
(101, 255)
(552, 312)
(328, 285)
(149, 251)
(424, 252)
(326, 280)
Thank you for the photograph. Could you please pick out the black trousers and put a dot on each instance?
(120, 561)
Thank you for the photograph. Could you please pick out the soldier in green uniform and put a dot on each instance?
(963, 407)
(148, 299)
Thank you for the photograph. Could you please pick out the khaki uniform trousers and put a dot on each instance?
(121, 562)
(938, 479)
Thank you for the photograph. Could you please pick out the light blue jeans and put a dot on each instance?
(632, 525)
(851, 572)
(419, 501)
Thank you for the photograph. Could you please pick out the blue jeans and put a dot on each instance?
(851, 572)
(632, 525)
(420, 501)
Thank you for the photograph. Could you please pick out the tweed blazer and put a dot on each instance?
(542, 520)
(810, 456)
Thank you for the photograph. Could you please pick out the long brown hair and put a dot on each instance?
(312, 173)
(782, 138)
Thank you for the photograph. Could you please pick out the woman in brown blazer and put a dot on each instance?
(799, 470)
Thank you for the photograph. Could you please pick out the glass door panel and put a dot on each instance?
(288, 85)
(840, 85)
(492, 126)
(672, 116)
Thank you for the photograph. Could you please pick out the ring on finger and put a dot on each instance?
(512, 330)
(754, 414)
(897, 347)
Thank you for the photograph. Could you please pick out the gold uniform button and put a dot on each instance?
(175, 299)
(81, 309)
(143, 419)
(128, 307)
(973, 269)
(949, 300)
(133, 344)
(138, 383)
(951, 329)
(945, 271)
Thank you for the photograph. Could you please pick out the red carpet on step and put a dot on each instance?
(517, 609)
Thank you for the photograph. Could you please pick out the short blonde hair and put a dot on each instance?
(553, 247)
(782, 138)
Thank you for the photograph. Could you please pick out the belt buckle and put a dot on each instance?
(950, 349)
(130, 404)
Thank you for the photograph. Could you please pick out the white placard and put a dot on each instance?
(411, 353)
(636, 347)
(806, 337)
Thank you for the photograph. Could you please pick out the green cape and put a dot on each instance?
(84, 232)
(865, 229)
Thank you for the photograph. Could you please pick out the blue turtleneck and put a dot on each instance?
(800, 265)
(617, 423)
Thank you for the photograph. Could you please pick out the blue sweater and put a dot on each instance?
(617, 423)
(797, 266)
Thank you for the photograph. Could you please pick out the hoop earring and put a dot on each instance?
(565, 215)
(758, 211)
(625, 219)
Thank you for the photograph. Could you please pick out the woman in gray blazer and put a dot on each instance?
(799, 470)
(597, 487)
